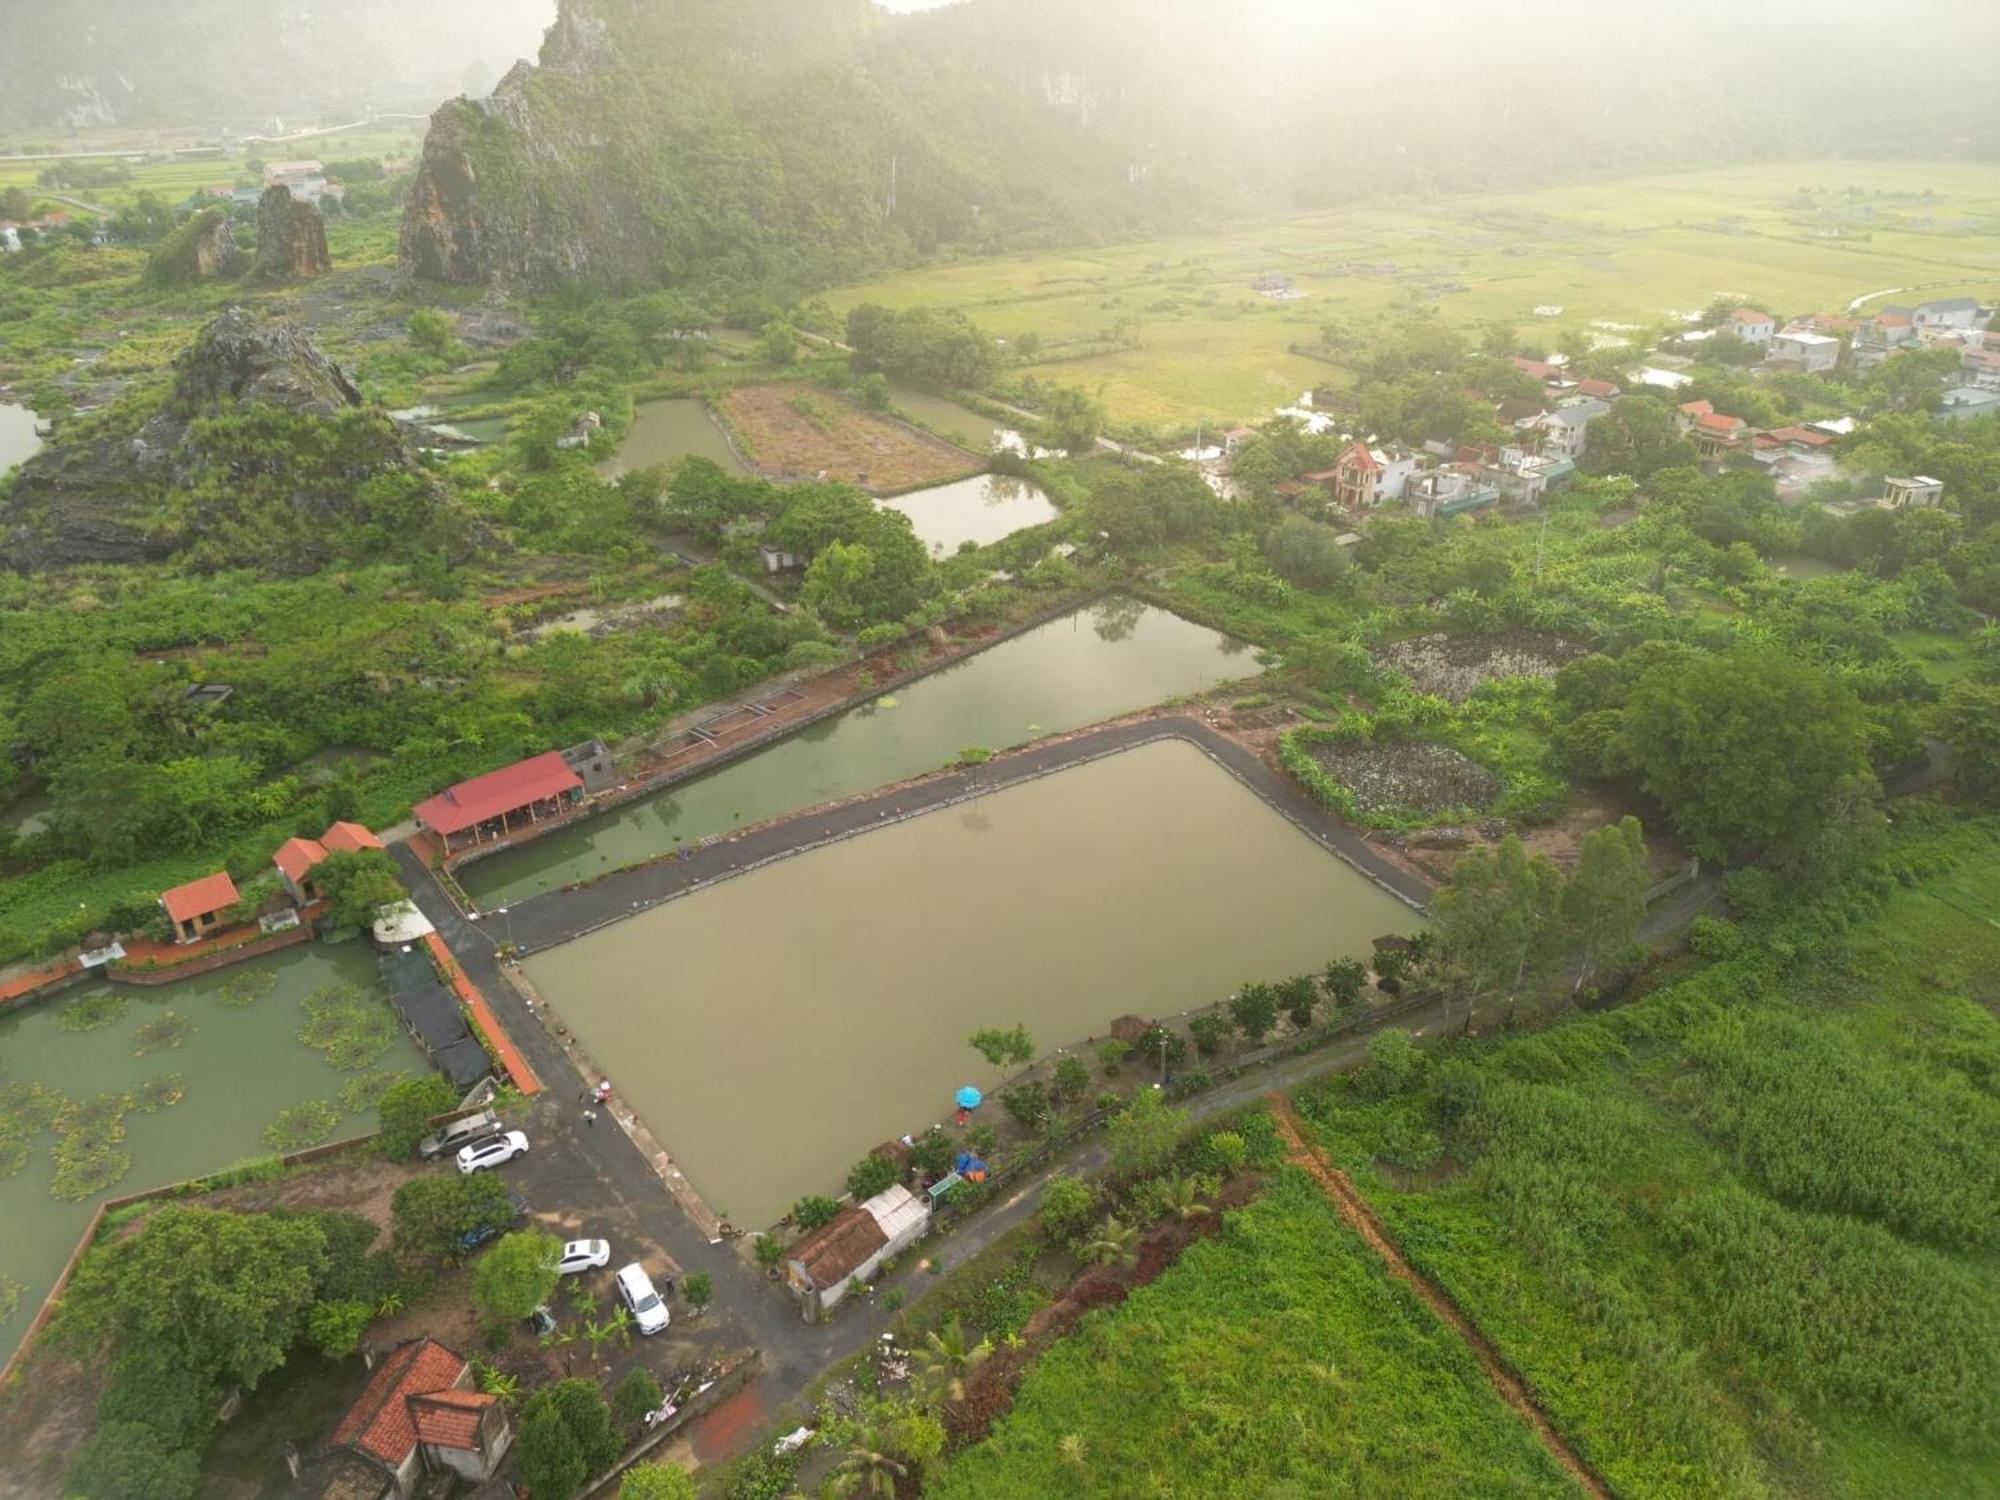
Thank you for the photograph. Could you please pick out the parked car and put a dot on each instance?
(453, 1135)
(583, 1255)
(472, 1239)
(541, 1321)
(635, 1290)
(493, 1153)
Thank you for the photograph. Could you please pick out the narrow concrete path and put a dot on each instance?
(1507, 1385)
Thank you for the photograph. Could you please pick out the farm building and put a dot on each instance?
(500, 802)
(418, 1415)
(196, 909)
(850, 1247)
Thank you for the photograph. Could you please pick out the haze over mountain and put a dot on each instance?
(241, 63)
(671, 139)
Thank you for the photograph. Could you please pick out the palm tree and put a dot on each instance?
(1115, 1243)
(1181, 1197)
(948, 1358)
(869, 1467)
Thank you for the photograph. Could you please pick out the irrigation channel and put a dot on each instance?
(234, 1054)
(1108, 659)
(775, 1026)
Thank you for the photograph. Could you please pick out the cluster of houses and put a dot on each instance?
(201, 908)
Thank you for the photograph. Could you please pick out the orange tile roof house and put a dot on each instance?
(296, 857)
(1750, 325)
(417, 1414)
(494, 805)
(196, 908)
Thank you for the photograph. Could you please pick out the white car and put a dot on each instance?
(583, 1255)
(484, 1154)
(635, 1290)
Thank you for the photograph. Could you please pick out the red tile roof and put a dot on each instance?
(1715, 421)
(1591, 387)
(1798, 435)
(1535, 367)
(199, 897)
(296, 857)
(1357, 456)
(1750, 315)
(1697, 408)
(350, 837)
(379, 1422)
(506, 790)
(450, 1419)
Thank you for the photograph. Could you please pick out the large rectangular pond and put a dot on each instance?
(1109, 659)
(663, 431)
(771, 1029)
(982, 509)
(238, 1066)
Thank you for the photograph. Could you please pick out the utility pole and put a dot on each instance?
(893, 165)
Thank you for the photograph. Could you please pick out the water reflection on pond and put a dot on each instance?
(981, 509)
(778, 1025)
(1110, 659)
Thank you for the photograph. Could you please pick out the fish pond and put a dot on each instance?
(773, 1028)
(108, 1089)
(19, 441)
(1108, 659)
(979, 510)
(663, 431)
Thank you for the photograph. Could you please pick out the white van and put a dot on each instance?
(635, 1290)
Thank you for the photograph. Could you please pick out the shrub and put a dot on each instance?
(1067, 1206)
(1161, 1041)
(565, 1436)
(1394, 1063)
(933, 1153)
(1110, 1053)
(1297, 997)
(635, 1395)
(1225, 1151)
(1028, 1103)
(1144, 1136)
(698, 1288)
(1013, 1045)
(430, 1216)
(1254, 1008)
(981, 1138)
(874, 1173)
(406, 1109)
(813, 1210)
(1715, 938)
(516, 1276)
(132, 1461)
(1210, 1030)
(1072, 1076)
(769, 1250)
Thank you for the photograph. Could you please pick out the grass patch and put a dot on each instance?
(302, 1125)
(1277, 1358)
(92, 1012)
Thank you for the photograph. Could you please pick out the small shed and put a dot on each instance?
(851, 1246)
(196, 908)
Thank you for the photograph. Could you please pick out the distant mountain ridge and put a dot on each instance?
(669, 140)
(236, 63)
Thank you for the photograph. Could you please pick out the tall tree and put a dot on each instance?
(1605, 897)
(1496, 921)
(516, 1276)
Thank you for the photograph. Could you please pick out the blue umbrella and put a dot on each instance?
(969, 1097)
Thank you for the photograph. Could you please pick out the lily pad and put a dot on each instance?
(91, 1012)
(302, 1125)
(168, 1030)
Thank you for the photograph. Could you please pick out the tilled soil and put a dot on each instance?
(1453, 667)
(1408, 776)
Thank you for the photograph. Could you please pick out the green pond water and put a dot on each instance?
(18, 442)
(240, 1066)
(1800, 566)
(663, 431)
(773, 1028)
(959, 424)
(1109, 659)
(981, 509)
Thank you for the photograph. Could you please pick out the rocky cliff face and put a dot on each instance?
(263, 454)
(202, 249)
(291, 238)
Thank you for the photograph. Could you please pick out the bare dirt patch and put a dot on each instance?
(1390, 777)
(1454, 667)
(804, 432)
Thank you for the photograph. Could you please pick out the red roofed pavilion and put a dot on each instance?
(494, 805)
(295, 860)
(349, 838)
(196, 908)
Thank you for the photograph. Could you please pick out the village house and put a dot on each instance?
(1522, 477)
(1918, 490)
(1236, 437)
(1963, 403)
(1980, 359)
(306, 180)
(1450, 490)
(1947, 312)
(1659, 379)
(1750, 325)
(197, 908)
(297, 857)
(1715, 435)
(1806, 353)
(1564, 431)
(500, 802)
(850, 1246)
(1365, 476)
(418, 1415)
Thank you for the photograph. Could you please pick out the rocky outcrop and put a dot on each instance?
(291, 238)
(202, 249)
(264, 454)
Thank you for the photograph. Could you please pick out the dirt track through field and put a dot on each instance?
(1361, 1219)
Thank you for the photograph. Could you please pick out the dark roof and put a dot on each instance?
(1950, 304)
(433, 1014)
(464, 1063)
(838, 1248)
(537, 779)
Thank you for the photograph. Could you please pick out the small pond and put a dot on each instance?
(1109, 659)
(949, 420)
(1799, 566)
(791, 1018)
(18, 439)
(981, 509)
(239, 1064)
(663, 431)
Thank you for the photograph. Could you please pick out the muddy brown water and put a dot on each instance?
(982, 509)
(772, 1028)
